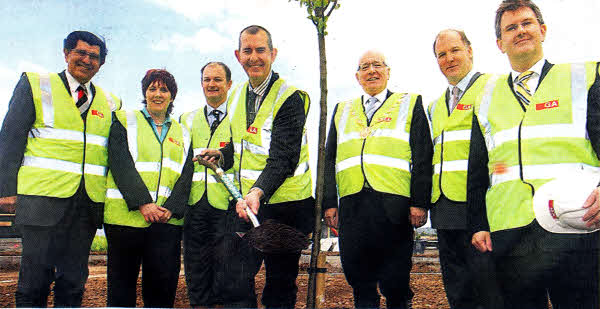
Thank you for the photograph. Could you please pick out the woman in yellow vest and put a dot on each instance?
(147, 191)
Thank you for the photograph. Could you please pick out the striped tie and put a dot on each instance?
(522, 90)
(81, 96)
(371, 107)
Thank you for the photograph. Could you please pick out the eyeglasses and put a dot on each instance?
(376, 65)
(82, 53)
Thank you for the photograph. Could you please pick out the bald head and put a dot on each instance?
(373, 73)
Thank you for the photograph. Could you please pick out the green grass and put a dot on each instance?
(99, 245)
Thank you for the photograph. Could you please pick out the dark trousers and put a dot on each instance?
(56, 253)
(469, 276)
(541, 264)
(157, 249)
(202, 232)
(374, 251)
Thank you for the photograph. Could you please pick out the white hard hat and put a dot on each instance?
(558, 204)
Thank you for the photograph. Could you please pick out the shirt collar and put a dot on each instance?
(222, 108)
(260, 90)
(74, 84)
(463, 83)
(147, 115)
(380, 96)
(536, 68)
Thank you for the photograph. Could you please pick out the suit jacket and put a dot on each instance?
(448, 214)
(421, 172)
(478, 182)
(33, 210)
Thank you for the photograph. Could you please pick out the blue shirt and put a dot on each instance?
(166, 125)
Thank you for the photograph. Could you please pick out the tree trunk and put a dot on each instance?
(316, 247)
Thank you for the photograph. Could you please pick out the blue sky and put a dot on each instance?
(182, 35)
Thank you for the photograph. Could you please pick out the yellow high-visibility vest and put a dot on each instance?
(159, 165)
(451, 139)
(529, 148)
(379, 153)
(252, 144)
(204, 178)
(61, 148)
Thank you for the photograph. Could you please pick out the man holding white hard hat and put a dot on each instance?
(535, 141)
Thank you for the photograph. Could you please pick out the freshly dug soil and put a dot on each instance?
(426, 283)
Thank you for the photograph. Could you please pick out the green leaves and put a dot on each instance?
(319, 11)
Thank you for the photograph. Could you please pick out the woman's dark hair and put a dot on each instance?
(164, 76)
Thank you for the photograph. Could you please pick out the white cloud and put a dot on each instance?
(205, 41)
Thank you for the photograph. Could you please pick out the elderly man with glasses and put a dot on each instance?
(378, 161)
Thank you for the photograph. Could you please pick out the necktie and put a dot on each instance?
(454, 98)
(81, 96)
(216, 121)
(371, 107)
(521, 88)
(251, 108)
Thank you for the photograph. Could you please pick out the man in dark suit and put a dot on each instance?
(467, 273)
(379, 156)
(54, 160)
(269, 154)
(541, 121)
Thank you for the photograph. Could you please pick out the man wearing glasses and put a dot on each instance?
(379, 155)
(53, 158)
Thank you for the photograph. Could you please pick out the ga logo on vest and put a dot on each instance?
(464, 107)
(546, 105)
(252, 130)
(97, 113)
(223, 144)
(174, 141)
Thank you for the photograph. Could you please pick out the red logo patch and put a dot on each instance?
(176, 142)
(97, 113)
(546, 105)
(551, 208)
(464, 107)
(384, 119)
(252, 130)
(223, 144)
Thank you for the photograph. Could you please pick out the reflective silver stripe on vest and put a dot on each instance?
(250, 174)
(52, 133)
(431, 110)
(386, 161)
(541, 171)
(153, 167)
(301, 169)
(452, 166)
(64, 166)
(236, 98)
(110, 101)
(237, 147)
(484, 108)
(347, 163)
(69, 135)
(162, 191)
(132, 134)
(200, 176)
(47, 104)
(341, 136)
(579, 95)
(172, 165)
(255, 148)
(187, 144)
(453, 136)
